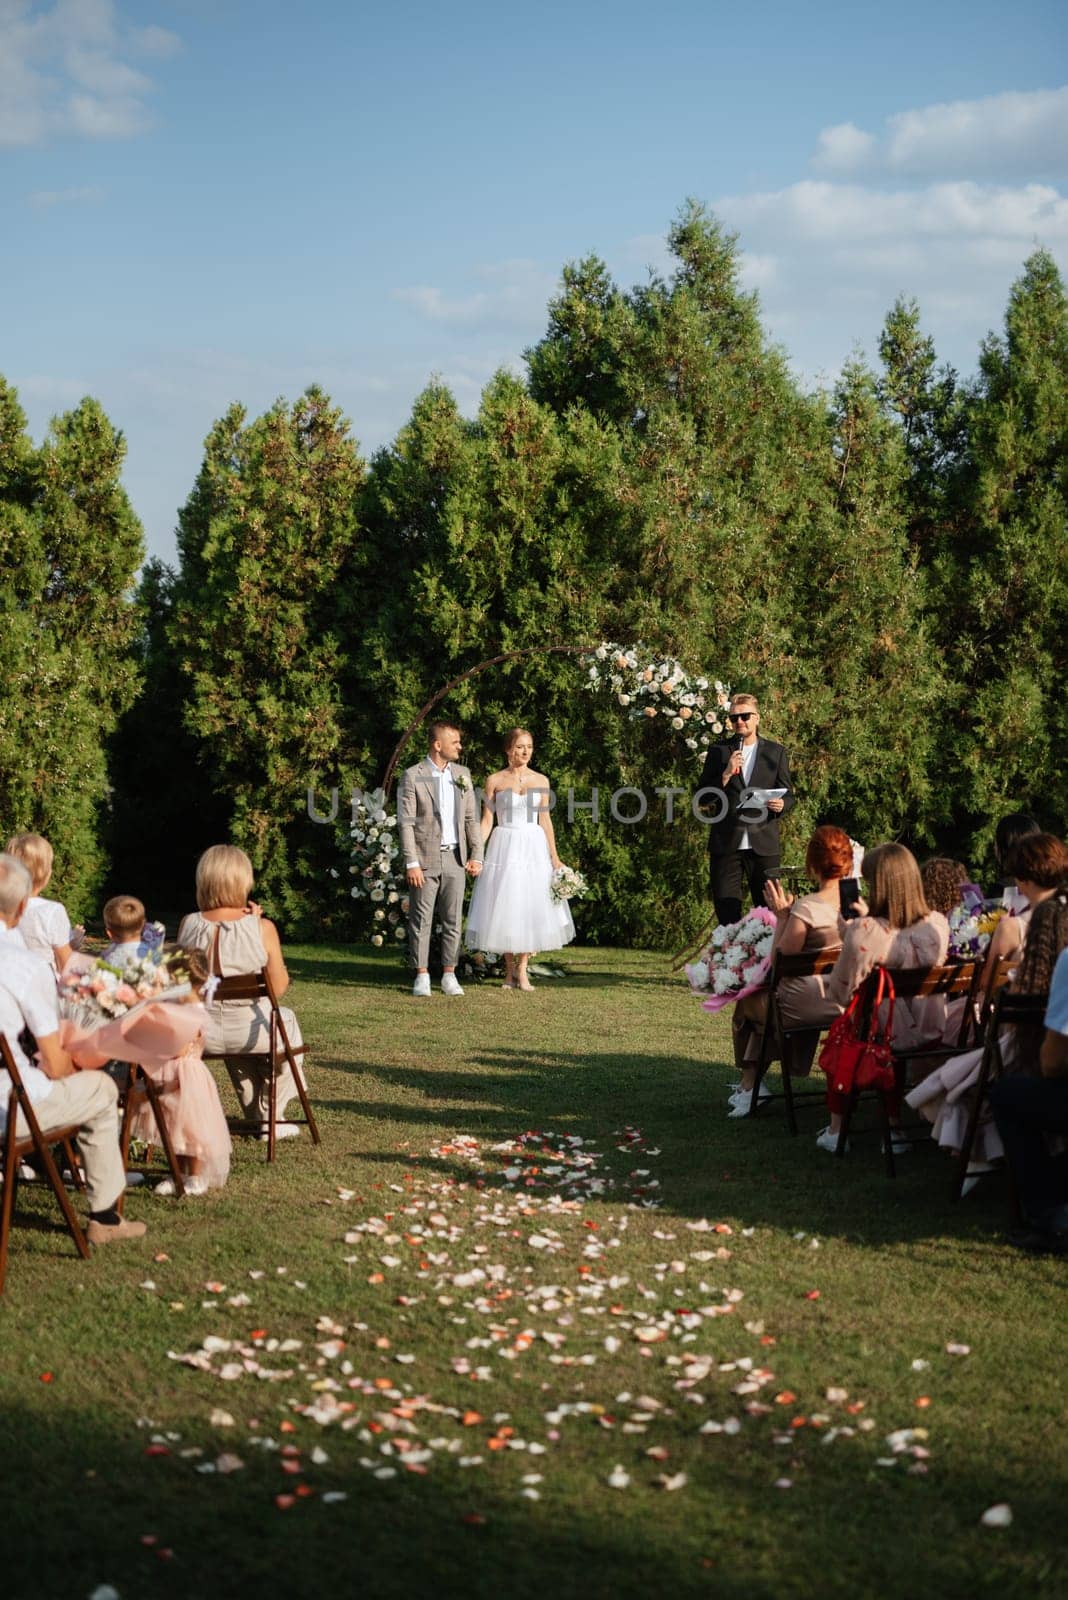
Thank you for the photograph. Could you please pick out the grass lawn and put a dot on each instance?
(546, 1388)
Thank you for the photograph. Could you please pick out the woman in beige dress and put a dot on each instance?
(238, 939)
(803, 925)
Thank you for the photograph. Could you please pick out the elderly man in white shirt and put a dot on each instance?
(61, 1095)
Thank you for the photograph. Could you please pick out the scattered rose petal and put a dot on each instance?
(958, 1349)
(618, 1478)
(999, 1516)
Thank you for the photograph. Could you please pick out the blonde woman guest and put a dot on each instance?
(237, 939)
(512, 910)
(45, 927)
(802, 925)
(896, 928)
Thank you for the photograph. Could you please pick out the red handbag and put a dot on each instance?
(851, 1062)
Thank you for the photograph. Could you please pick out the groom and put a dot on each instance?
(441, 840)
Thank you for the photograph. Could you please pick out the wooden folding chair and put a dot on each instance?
(248, 988)
(955, 980)
(975, 1014)
(34, 1141)
(1008, 1008)
(783, 1040)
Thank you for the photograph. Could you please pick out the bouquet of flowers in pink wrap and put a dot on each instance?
(129, 1012)
(735, 962)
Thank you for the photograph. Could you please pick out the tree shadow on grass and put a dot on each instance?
(154, 1524)
(752, 1169)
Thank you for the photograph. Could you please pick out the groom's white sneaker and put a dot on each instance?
(449, 984)
(421, 986)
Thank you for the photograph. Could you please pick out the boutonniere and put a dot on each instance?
(461, 783)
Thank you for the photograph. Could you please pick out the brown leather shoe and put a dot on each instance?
(110, 1232)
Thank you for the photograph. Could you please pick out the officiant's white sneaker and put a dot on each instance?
(449, 985)
(421, 986)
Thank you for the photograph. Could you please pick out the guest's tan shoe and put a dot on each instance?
(112, 1232)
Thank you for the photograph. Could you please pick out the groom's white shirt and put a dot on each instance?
(446, 805)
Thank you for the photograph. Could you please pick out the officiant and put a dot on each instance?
(743, 842)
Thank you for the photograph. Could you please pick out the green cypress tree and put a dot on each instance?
(262, 540)
(69, 527)
(1004, 579)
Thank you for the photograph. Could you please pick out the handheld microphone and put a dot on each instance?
(739, 740)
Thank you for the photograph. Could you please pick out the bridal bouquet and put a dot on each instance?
(113, 1013)
(567, 884)
(91, 996)
(736, 960)
(971, 929)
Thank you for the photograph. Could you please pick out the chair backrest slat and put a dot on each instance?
(806, 964)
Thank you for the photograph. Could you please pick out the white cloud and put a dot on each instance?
(85, 194)
(512, 292)
(834, 257)
(64, 71)
(843, 148)
(1018, 133)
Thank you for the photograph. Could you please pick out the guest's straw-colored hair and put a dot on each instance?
(196, 965)
(512, 735)
(942, 882)
(224, 877)
(829, 853)
(124, 916)
(36, 855)
(895, 888)
(15, 884)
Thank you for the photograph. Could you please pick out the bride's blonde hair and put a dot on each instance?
(512, 735)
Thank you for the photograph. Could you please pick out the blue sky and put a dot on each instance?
(207, 202)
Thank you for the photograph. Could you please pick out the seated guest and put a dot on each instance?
(803, 925)
(943, 881)
(1007, 834)
(1039, 864)
(943, 1097)
(61, 1095)
(124, 921)
(1028, 1110)
(896, 928)
(45, 927)
(238, 939)
(191, 1106)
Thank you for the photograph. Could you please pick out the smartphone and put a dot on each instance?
(848, 895)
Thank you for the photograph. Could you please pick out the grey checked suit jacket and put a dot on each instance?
(420, 824)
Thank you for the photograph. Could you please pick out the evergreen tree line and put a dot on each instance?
(885, 566)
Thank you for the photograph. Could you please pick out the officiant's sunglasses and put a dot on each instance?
(739, 716)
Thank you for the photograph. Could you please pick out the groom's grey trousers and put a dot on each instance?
(443, 893)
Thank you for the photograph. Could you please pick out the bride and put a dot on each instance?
(512, 910)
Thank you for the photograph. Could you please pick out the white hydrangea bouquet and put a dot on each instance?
(735, 962)
(567, 884)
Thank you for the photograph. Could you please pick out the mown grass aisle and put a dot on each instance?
(435, 1366)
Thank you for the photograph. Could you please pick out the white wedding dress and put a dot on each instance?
(511, 906)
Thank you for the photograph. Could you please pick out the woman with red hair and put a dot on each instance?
(806, 924)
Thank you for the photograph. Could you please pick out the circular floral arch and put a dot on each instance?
(644, 684)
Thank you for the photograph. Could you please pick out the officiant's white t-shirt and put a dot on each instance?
(749, 754)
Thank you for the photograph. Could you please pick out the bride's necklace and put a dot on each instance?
(521, 780)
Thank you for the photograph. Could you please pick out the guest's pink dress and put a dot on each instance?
(196, 1121)
(869, 942)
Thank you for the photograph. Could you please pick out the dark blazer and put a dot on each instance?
(771, 770)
